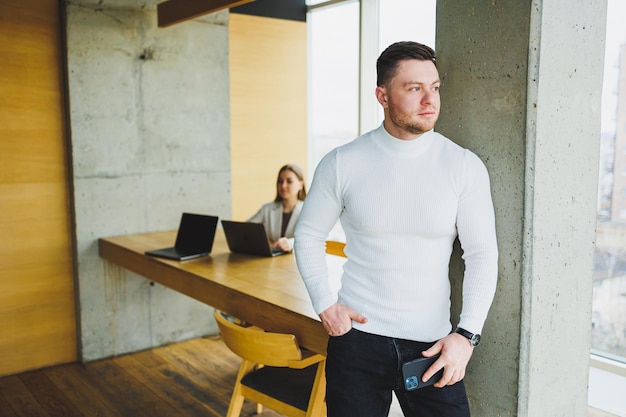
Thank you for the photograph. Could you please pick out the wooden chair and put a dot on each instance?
(275, 372)
(335, 248)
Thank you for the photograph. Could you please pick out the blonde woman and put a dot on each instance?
(281, 215)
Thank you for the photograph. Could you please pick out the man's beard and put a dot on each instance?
(403, 121)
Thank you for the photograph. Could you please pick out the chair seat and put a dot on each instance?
(292, 386)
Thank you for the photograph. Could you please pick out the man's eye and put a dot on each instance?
(415, 89)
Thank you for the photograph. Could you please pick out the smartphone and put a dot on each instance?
(413, 371)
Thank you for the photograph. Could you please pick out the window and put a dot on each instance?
(607, 373)
(333, 82)
(342, 58)
(405, 20)
(609, 279)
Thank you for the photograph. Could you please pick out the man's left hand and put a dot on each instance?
(456, 351)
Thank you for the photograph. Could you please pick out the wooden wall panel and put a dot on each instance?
(268, 93)
(37, 313)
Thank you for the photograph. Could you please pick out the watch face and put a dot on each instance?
(473, 338)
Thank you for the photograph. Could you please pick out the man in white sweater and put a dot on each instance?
(403, 193)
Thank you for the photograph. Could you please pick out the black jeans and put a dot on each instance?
(362, 369)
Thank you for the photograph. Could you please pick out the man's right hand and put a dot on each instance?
(337, 319)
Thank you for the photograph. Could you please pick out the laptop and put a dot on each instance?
(248, 238)
(194, 238)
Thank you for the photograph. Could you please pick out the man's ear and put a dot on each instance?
(381, 96)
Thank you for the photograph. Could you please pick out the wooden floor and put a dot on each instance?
(188, 379)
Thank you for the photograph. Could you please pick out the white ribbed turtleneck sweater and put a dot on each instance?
(401, 204)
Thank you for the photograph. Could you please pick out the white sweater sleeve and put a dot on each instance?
(320, 212)
(477, 235)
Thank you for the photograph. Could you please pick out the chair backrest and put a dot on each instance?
(256, 345)
(334, 247)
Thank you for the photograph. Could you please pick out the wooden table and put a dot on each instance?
(267, 292)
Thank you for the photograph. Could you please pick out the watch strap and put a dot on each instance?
(474, 339)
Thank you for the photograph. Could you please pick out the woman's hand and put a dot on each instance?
(284, 244)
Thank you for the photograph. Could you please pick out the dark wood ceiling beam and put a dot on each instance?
(176, 11)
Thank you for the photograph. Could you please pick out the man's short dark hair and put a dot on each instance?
(388, 60)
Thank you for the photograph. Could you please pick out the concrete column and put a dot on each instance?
(150, 126)
(522, 88)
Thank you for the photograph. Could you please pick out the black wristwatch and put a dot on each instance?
(473, 338)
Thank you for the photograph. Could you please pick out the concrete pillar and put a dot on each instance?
(150, 126)
(522, 88)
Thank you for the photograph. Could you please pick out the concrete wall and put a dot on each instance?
(484, 69)
(149, 111)
(521, 87)
(563, 140)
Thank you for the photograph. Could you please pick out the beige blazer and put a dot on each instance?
(271, 215)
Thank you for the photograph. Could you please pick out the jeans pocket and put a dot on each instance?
(345, 335)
